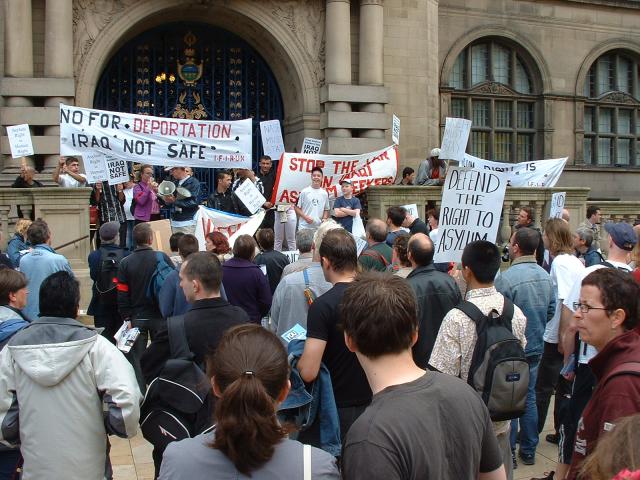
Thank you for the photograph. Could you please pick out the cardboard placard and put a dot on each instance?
(118, 171)
(161, 230)
(557, 204)
(95, 167)
(292, 255)
(311, 145)
(395, 130)
(411, 209)
(455, 138)
(272, 143)
(20, 140)
(250, 196)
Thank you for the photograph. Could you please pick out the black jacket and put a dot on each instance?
(186, 208)
(134, 274)
(275, 262)
(418, 226)
(225, 202)
(204, 323)
(437, 293)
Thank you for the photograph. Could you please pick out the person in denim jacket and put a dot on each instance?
(529, 287)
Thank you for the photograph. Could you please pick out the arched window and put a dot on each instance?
(493, 86)
(612, 110)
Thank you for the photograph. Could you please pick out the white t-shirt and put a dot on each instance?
(67, 181)
(313, 202)
(587, 352)
(565, 270)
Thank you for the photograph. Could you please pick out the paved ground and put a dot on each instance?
(131, 459)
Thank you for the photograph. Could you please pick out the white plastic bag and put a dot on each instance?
(358, 227)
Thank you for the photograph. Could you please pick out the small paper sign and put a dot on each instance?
(95, 166)
(311, 145)
(455, 138)
(292, 255)
(411, 209)
(272, 143)
(20, 140)
(250, 196)
(395, 130)
(557, 204)
(117, 169)
(297, 332)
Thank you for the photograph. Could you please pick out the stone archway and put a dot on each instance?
(289, 39)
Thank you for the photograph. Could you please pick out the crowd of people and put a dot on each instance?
(362, 358)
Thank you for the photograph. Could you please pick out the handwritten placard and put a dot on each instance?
(557, 204)
(292, 255)
(272, 143)
(395, 130)
(411, 209)
(95, 166)
(250, 196)
(471, 206)
(118, 172)
(20, 140)
(311, 145)
(455, 138)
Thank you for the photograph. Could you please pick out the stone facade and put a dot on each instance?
(343, 67)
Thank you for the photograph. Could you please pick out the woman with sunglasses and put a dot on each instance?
(250, 376)
(606, 317)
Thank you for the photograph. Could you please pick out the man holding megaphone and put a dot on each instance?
(182, 198)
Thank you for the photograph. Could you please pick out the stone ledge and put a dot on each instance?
(355, 120)
(41, 144)
(354, 93)
(351, 146)
(30, 115)
(37, 87)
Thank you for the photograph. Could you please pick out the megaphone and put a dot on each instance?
(182, 193)
(166, 188)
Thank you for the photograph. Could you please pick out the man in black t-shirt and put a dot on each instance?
(419, 424)
(325, 339)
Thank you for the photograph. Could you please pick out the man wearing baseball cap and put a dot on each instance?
(432, 171)
(621, 234)
(347, 206)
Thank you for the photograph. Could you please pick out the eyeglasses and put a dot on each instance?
(584, 308)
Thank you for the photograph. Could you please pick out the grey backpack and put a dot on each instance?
(499, 370)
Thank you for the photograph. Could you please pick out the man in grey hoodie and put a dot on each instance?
(74, 386)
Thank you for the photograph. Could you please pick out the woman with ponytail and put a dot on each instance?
(250, 376)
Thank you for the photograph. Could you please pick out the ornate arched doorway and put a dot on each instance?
(191, 70)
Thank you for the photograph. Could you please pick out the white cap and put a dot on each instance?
(435, 152)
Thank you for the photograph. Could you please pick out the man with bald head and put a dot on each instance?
(377, 256)
(436, 292)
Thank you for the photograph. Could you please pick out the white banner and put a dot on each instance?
(250, 196)
(118, 171)
(20, 140)
(557, 204)
(231, 225)
(272, 143)
(471, 205)
(311, 145)
(395, 130)
(455, 138)
(95, 167)
(155, 140)
(294, 172)
(539, 173)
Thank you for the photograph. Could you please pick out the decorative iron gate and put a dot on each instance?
(191, 70)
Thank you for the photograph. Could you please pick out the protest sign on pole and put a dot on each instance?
(118, 171)
(271, 134)
(367, 169)
(395, 130)
(95, 167)
(557, 204)
(471, 205)
(156, 140)
(20, 140)
(250, 196)
(538, 173)
(229, 224)
(311, 145)
(411, 209)
(455, 138)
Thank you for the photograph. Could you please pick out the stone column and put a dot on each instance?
(371, 55)
(338, 55)
(58, 57)
(18, 57)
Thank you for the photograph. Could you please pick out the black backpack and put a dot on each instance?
(108, 275)
(178, 401)
(499, 370)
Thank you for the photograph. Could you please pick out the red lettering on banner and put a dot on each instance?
(332, 190)
(304, 164)
(288, 196)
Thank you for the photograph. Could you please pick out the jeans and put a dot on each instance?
(286, 229)
(529, 420)
(548, 374)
